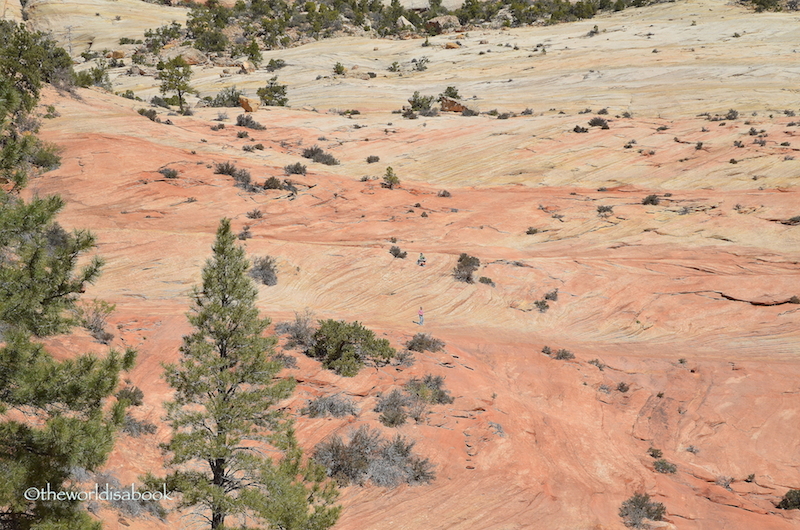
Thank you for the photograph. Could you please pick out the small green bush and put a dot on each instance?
(651, 200)
(598, 122)
(397, 253)
(227, 97)
(790, 500)
(564, 355)
(273, 183)
(662, 466)
(486, 280)
(596, 362)
(132, 394)
(639, 507)
(136, 428)
(393, 408)
(273, 94)
(46, 156)
(390, 180)
(655, 453)
(158, 101)
(169, 173)
(450, 92)
(372, 159)
(316, 154)
(295, 169)
(335, 406)
(369, 457)
(301, 332)
(225, 168)
(420, 103)
(422, 342)
(345, 347)
(429, 389)
(339, 69)
(605, 211)
(246, 120)
(150, 114)
(465, 267)
(265, 270)
(93, 316)
(275, 64)
(242, 178)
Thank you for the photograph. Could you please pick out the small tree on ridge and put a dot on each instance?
(175, 78)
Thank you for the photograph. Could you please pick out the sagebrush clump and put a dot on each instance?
(638, 508)
(301, 331)
(316, 154)
(246, 120)
(422, 342)
(370, 457)
(598, 122)
(397, 253)
(295, 169)
(273, 183)
(465, 267)
(264, 270)
(663, 466)
(429, 389)
(132, 394)
(336, 406)
(392, 407)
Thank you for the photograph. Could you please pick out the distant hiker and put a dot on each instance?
(421, 316)
(421, 260)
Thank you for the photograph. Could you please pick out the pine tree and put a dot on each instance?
(224, 415)
(175, 78)
(60, 424)
(54, 416)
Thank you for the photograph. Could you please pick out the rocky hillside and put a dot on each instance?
(668, 231)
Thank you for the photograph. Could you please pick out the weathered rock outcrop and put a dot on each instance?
(443, 23)
(249, 104)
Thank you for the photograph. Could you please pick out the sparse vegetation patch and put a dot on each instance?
(369, 457)
(638, 508)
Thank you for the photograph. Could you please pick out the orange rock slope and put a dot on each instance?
(687, 303)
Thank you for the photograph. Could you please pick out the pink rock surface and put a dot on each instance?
(706, 276)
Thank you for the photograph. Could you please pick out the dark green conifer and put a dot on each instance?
(227, 429)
